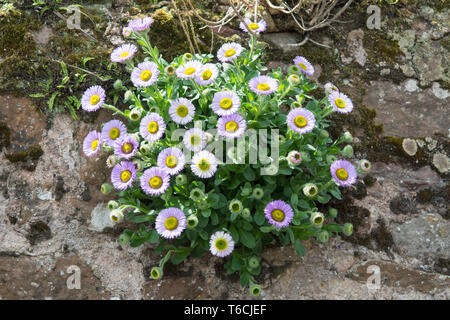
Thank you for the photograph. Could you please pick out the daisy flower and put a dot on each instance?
(263, 85)
(189, 70)
(125, 147)
(93, 98)
(155, 181)
(229, 52)
(221, 244)
(225, 103)
(195, 139)
(279, 213)
(113, 130)
(231, 126)
(317, 219)
(207, 74)
(140, 24)
(145, 74)
(172, 160)
(152, 127)
(330, 88)
(340, 102)
(126, 31)
(256, 27)
(123, 174)
(236, 206)
(305, 66)
(204, 164)
(170, 223)
(343, 172)
(301, 120)
(182, 111)
(310, 190)
(111, 161)
(123, 53)
(92, 143)
(294, 158)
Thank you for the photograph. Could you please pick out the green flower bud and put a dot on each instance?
(235, 206)
(348, 229)
(196, 194)
(364, 166)
(310, 190)
(347, 137)
(128, 95)
(118, 85)
(255, 290)
(180, 179)
(347, 151)
(112, 161)
(332, 212)
(305, 156)
(317, 219)
(294, 69)
(153, 109)
(169, 70)
(296, 104)
(144, 148)
(116, 215)
(212, 120)
(106, 188)
(281, 139)
(124, 239)
(191, 221)
(138, 164)
(156, 273)
(112, 205)
(294, 79)
(324, 134)
(203, 204)
(135, 114)
(258, 193)
(246, 213)
(253, 262)
(331, 158)
(323, 236)
(187, 57)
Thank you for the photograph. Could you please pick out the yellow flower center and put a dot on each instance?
(263, 86)
(206, 74)
(124, 54)
(125, 176)
(152, 127)
(230, 52)
(226, 103)
(127, 147)
(182, 111)
(94, 99)
(342, 174)
(94, 144)
(171, 223)
(253, 26)
(155, 182)
(195, 140)
(231, 126)
(221, 244)
(278, 215)
(171, 161)
(114, 133)
(145, 75)
(189, 71)
(300, 121)
(303, 66)
(204, 164)
(340, 103)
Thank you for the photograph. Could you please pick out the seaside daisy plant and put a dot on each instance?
(205, 160)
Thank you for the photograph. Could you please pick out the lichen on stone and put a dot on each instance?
(409, 146)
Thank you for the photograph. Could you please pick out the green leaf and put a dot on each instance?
(247, 239)
(153, 236)
(237, 262)
(141, 218)
(179, 257)
(266, 229)
(336, 193)
(259, 218)
(234, 233)
(249, 174)
(299, 248)
(294, 199)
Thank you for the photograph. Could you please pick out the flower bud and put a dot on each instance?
(294, 69)
(191, 221)
(246, 213)
(348, 229)
(323, 236)
(118, 85)
(111, 161)
(196, 194)
(124, 239)
(156, 273)
(203, 204)
(138, 164)
(294, 158)
(293, 79)
(180, 179)
(126, 32)
(116, 215)
(154, 109)
(364, 166)
(347, 137)
(187, 57)
(296, 104)
(255, 290)
(331, 158)
(317, 219)
(324, 134)
(253, 262)
(281, 139)
(128, 95)
(106, 188)
(135, 114)
(305, 156)
(347, 152)
(169, 70)
(112, 204)
(332, 212)
(235, 206)
(212, 120)
(258, 193)
(310, 190)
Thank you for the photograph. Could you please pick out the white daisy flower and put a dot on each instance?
(204, 164)
(207, 74)
(189, 70)
(195, 139)
(182, 111)
(229, 52)
(221, 244)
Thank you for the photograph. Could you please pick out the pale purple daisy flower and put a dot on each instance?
(123, 174)
(189, 70)
(140, 24)
(123, 53)
(294, 157)
(155, 181)
(256, 27)
(340, 102)
(301, 120)
(204, 164)
(145, 74)
(170, 223)
(229, 52)
(152, 127)
(207, 74)
(330, 88)
(182, 111)
(92, 143)
(279, 213)
(126, 31)
(225, 103)
(172, 160)
(343, 172)
(305, 66)
(113, 130)
(221, 244)
(93, 98)
(231, 126)
(125, 147)
(263, 85)
(195, 139)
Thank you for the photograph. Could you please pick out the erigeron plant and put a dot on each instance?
(185, 198)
